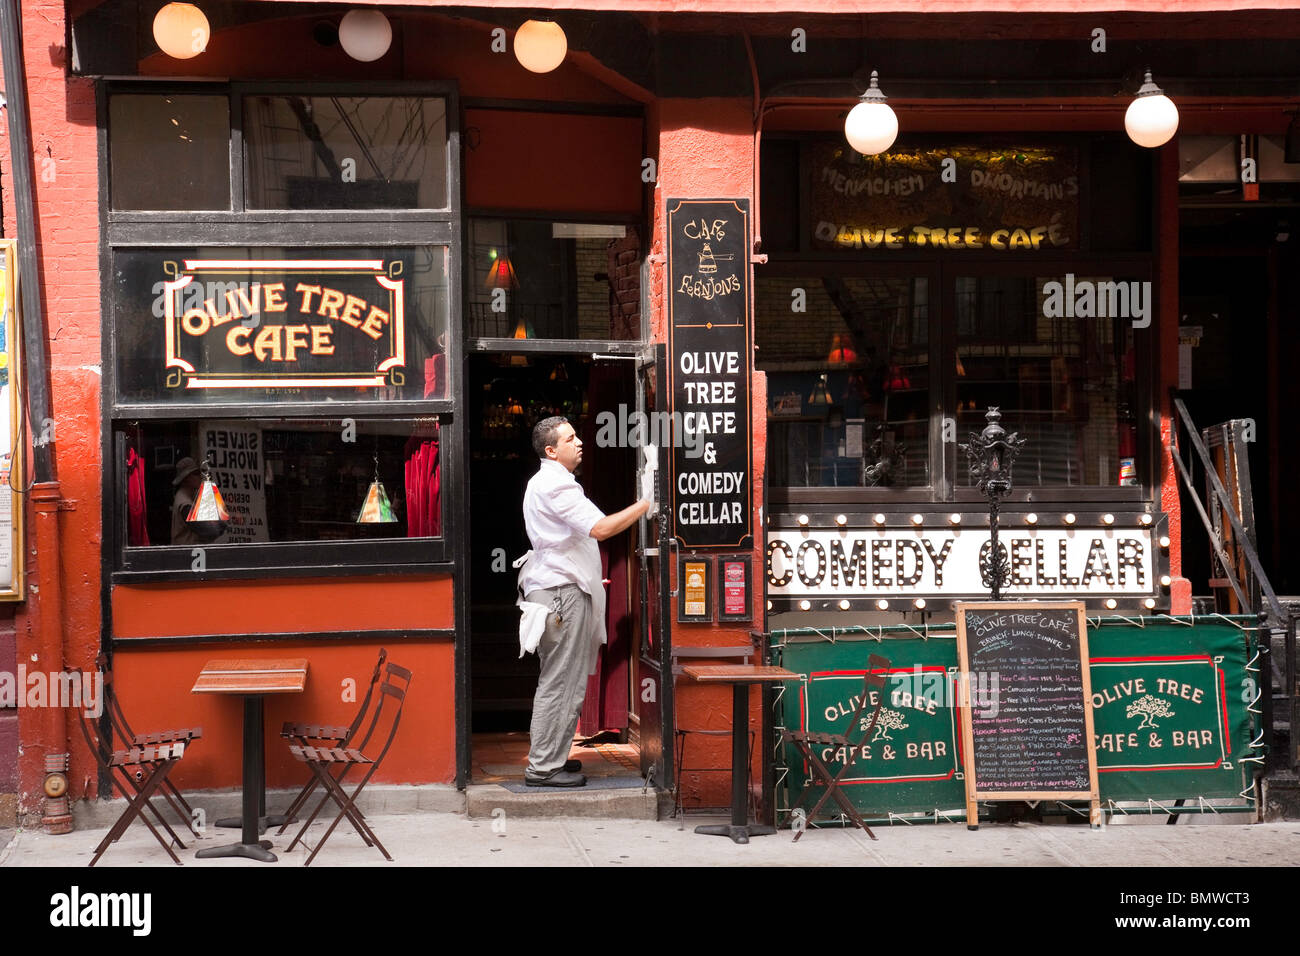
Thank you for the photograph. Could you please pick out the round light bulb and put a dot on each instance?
(1150, 602)
(805, 605)
(1069, 519)
(365, 35)
(917, 519)
(954, 518)
(844, 605)
(841, 520)
(181, 30)
(540, 45)
(882, 604)
(1107, 519)
(919, 603)
(1111, 604)
(1152, 118)
(1031, 518)
(803, 520)
(1164, 541)
(1165, 580)
(871, 127)
(879, 519)
(1145, 519)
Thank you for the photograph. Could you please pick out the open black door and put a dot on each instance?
(652, 677)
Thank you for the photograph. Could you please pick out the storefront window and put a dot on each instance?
(1063, 380)
(847, 360)
(182, 139)
(285, 480)
(345, 152)
(533, 278)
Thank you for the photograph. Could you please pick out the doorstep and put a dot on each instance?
(638, 802)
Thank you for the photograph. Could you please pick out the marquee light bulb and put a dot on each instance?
(1031, 518)
(844, 605)
(1107, 519)
(1164, 541)
(919, 604)
(805, 605)
(841, 520)
(954, 518)
(879, 518)
(1165, 580)
(1070, 519)
(1150, 603)
(882, 604)
(918, 519)
(1111, 603)
(803, 521)
(1145, 519)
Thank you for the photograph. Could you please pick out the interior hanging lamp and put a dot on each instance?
(540, 45)
(871, 127)
(1152, 118)
(365, 35)
(821, 393)
(501, 274)
(181, 30)
(376, 508)
(208, 516)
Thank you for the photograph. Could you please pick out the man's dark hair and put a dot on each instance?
(547, 432)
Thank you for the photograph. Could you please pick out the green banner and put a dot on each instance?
(1170, 707)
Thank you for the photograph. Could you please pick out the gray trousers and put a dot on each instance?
(567, 654)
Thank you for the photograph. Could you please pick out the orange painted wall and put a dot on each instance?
(283, 606)
(154, 686)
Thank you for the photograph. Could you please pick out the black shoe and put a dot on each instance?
(572, 766)
(560, 778)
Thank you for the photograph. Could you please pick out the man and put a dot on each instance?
(563, 575)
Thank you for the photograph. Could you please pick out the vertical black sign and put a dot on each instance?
(709, 329)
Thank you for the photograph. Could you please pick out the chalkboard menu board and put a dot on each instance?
(709, 329)
(1032, 738)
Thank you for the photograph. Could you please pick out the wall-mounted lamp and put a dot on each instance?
(181, 30)
(1152, 118)
(365, 35)
(540, 45)
(871, 127)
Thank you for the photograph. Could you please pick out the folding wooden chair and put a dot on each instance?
(139, 772)
(873, 686)
(329, 735)
(322, 761)
(130, 739)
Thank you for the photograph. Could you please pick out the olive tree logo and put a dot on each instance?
(1150, 707)
(889, 720)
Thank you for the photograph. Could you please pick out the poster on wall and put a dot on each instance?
(12, 468)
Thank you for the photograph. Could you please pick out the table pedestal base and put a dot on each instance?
(268, 820)
(260, 851)
(738, 834)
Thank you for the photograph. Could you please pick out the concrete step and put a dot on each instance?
(624, 803)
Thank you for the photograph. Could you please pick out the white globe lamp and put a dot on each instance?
(365, 35)
(181, 30)
(871, 127)
(1152, 118)
(540, 45)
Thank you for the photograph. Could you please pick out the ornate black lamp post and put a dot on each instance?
(991, 454)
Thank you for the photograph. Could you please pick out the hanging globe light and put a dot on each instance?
(871, 127)
(181, 30)
(1152, 118)
(365, 35)
(540, 45)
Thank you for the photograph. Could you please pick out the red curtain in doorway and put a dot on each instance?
(609, 480)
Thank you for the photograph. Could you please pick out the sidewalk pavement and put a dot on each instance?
(440, 838)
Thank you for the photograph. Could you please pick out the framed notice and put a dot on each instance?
(735, 589)
(695, 588)
(12, 466)
(1031, 739)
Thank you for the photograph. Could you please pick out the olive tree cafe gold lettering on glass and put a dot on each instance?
(12, 464)
(293, 323)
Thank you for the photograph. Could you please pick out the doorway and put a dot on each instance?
(508, 394)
